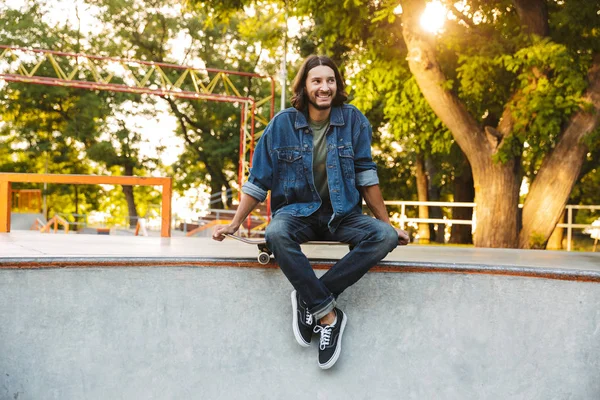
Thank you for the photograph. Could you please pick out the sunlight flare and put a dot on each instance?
(434, 17)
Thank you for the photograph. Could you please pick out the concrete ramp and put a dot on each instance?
(180, 330)
(24, 221)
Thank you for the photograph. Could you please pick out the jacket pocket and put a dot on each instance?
(346, 155)
(290, 170)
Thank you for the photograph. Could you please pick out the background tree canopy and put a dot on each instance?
(507, 92)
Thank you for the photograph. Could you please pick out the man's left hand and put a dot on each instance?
(403, 238)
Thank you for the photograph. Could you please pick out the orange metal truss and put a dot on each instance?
(84, 71)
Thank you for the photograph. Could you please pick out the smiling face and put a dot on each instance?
(320, 88)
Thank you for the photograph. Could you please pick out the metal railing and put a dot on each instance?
(405, 219)
(218, 197)
(570, 225)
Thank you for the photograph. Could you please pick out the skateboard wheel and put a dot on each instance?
(264, 258)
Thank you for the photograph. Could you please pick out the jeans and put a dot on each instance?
(370, 238)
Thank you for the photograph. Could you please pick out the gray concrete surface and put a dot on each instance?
(24, 221)
(34, 245)
(89, 323)
(225, 333)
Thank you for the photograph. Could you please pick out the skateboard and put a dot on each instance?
(264, 254)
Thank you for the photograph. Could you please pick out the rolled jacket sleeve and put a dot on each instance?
(367, 178)
(254, 190)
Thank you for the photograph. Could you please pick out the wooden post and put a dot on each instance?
(5, 200)
(165, 227)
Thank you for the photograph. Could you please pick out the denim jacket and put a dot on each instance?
(283, 163)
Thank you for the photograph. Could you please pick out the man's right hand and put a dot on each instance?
(222, 230)
(247, 204)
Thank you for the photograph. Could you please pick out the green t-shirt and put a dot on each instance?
(319, 130)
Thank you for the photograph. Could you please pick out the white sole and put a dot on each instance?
(338, 350)
(297, 334)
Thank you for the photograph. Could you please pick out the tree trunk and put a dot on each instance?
(217, 176)
(464, 191)
(422, 195)
(128, 192)
(228, 195)
(556, 239)
(555, 179)
(435, 212)
(216, 188)
(533, 15)
(496, 185)
(497, 198)
(225, 183)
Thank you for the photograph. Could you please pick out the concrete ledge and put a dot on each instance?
(125, 331)
(572, 274)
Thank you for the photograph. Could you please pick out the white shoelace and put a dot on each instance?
(325, 335)
(308, 317)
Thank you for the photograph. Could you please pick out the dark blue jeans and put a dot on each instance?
(370, 238)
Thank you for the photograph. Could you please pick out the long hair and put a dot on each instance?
(299, 99)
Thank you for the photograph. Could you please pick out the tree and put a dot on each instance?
(122, 150)
(44, 127)
(547, 93)
(209, 130)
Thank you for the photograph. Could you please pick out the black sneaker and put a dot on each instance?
(330, 344)
(303, 322)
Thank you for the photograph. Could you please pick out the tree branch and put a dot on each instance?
(461, 16)
(186, 118)
(181, 117)
(432, 81)
(534, 16)
(534, 20)
(558, 173)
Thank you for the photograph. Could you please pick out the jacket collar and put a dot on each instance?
(336, 118)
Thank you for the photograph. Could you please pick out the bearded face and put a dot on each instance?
(321, 87)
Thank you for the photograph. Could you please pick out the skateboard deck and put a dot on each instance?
(259, 241)
(264, 255)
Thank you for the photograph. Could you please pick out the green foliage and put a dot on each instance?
(483, 86)
(576, 24)
(537, 241)
(550, 80)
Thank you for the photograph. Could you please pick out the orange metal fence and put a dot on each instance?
(6, 179)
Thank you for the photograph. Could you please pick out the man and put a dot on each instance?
(316, 159)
